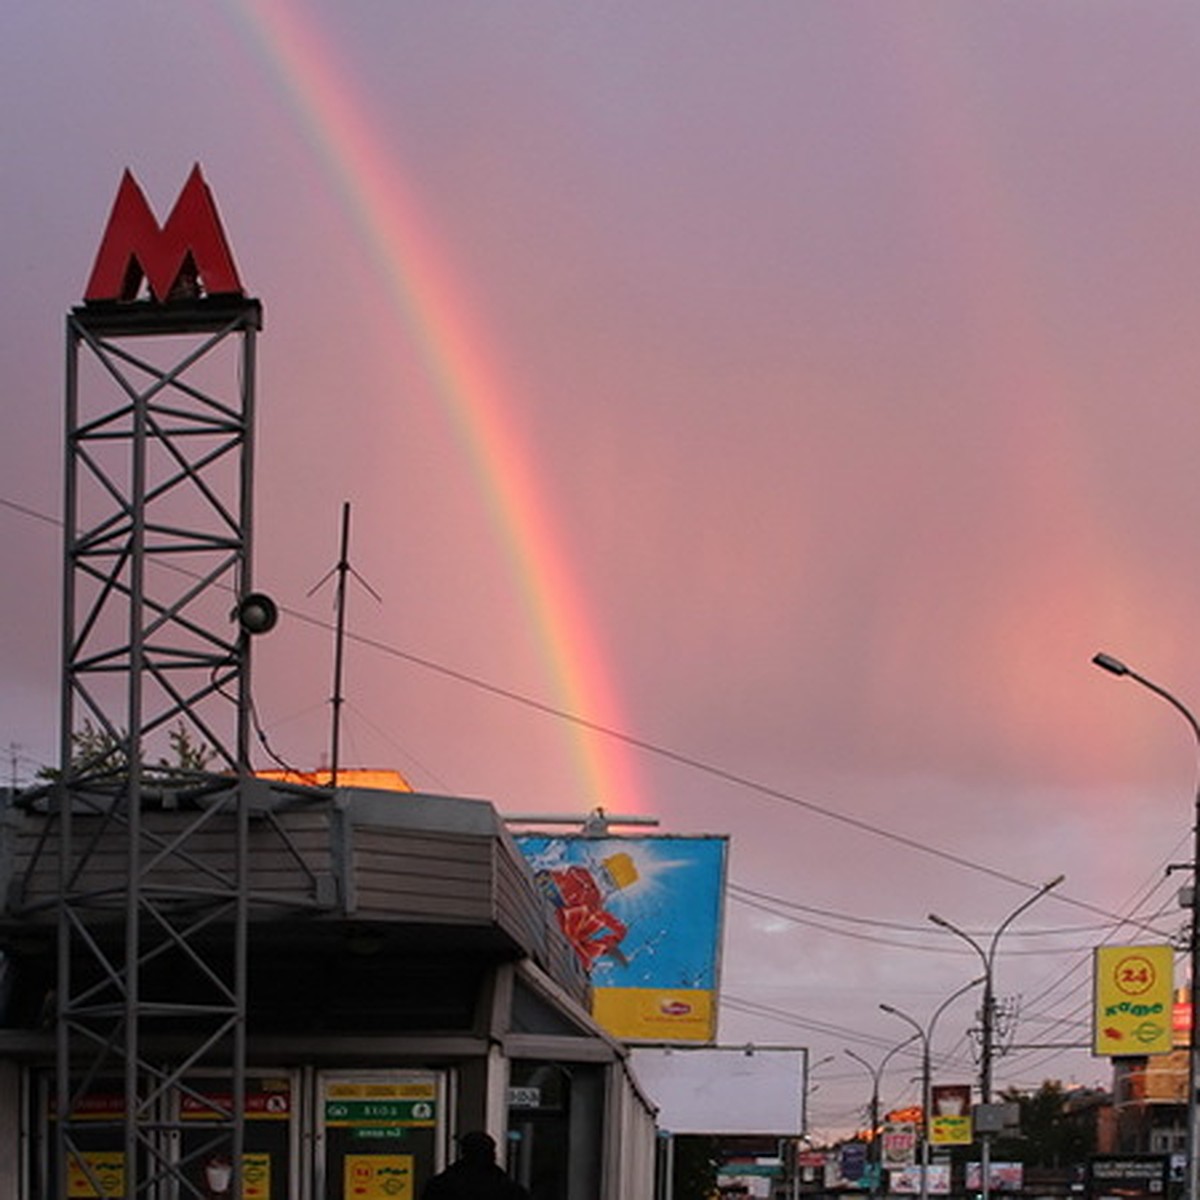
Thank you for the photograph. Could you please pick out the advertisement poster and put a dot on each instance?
(379, 1177)
(96, 1166)
(266, 1156)
(1128, 1176)
(725, 1091)
(644, 915)
(1134, 994)
(378, 1134)
(106, 1167)
(898, 1146)
(1002, 1177)
(256, 1177)
(906, 1181)
(852, 1161)
(950, 1120)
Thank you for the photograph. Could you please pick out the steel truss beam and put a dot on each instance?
(152, 929)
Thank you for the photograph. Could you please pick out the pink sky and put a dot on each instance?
(807, 390)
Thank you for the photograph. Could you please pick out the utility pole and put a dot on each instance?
(1114, 666)
(926, 1036)
(876, 1074)
(988, 1015)
(809, 1088)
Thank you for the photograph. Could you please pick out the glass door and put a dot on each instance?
(378, 1133)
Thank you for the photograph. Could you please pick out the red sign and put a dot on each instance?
(258, 1104)
(1181, 1023)
(185, 257)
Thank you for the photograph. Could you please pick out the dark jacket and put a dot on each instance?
(467, 1180)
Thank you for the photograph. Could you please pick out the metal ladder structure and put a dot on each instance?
(150, 814)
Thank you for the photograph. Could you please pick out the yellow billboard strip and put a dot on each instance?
(1133, 1000)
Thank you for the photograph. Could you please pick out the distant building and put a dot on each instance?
(1150, 1094)
(1150, 1103)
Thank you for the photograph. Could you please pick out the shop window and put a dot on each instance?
(195, 1141)
(378, 1133)
(269, 1136)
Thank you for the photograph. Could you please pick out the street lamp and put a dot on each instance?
(1192, 1192)
(876, 1074)
(808, 1091)
(926, 1036)
(988, 958)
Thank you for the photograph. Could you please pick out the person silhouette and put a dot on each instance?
(475, 1176)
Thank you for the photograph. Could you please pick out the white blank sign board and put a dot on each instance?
(724, 1090)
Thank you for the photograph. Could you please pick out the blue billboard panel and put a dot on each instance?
(644, 915)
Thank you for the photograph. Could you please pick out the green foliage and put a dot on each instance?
(1054, 1132)
(188, 755)
(94, 751)
(98, 752)
(696, 1162)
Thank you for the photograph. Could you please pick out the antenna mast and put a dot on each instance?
(342, 570)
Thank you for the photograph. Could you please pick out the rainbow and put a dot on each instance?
(419, 282)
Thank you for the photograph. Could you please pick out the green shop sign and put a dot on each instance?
(350, 1113)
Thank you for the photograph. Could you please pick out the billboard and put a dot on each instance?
(724, 1090)
(906, 1181)
(950, 1120)
(1134, 997)
(644, 915)
(898, 1145)
(1125, 1176)
(1002, 1176)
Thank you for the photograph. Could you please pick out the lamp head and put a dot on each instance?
(257, 613)
(1106, 662)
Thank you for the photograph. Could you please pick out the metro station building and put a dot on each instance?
(407, 983)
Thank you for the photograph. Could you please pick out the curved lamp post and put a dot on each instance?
(809, 1088)
(926, 1036)
(1115, 666)
(988, 1020)
(876, 1074)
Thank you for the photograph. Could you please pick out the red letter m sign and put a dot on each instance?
(188, 256)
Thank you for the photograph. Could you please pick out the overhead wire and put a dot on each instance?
(1057, 1024)
(778, 907)
(845, 1034)
(1059, 983)
(385, 736)
(753, 898)
(680, 758)
(741, 890)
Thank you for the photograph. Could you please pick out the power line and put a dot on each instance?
(680, 758)
(26, 511)
(735, 893)
(742, 892)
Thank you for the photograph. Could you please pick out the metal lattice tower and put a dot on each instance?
(151, 814)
